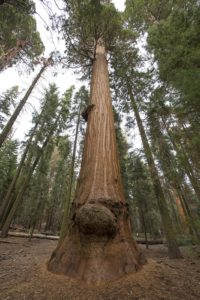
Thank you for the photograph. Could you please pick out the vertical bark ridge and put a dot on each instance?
(100, 161)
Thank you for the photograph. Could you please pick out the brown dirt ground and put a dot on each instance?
(23, 275)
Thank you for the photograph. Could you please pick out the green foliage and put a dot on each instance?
(7, 102)
(175, 44)
(137, 186)
(8, 165)
(54, 113)
(47, 189)
(19, 25)
(171, 103)
(37, 192)
(79, 101)
(27, 6)
(87, 23)
(59, 173)
(123, 148)
(141, 196)
(41, 192)
(173, 38)
(142, 14)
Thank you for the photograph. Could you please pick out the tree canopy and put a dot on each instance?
(19, 39)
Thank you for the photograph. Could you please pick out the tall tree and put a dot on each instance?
(7, 103)
(8, 165)
(142, 197)
(22, 102)
(172, 169)
(58, 184)
(173, 249)
(98, 245)
(7, 200)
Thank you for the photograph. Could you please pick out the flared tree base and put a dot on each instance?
(97, 247)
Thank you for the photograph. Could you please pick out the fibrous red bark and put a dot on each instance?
(99, 244)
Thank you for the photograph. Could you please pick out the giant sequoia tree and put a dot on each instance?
(98, 245)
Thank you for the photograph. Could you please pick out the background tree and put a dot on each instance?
(142, 199)
(58, 188)
(8, 165)
(134, 86)
(81, 99)
(172, 38)
(7, 103)
(53, 121)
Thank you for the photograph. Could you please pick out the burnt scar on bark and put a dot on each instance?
(86, 111)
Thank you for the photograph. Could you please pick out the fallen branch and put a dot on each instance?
(36, 235)
(56, 237)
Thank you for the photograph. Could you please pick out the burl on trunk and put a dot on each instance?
(99, 245)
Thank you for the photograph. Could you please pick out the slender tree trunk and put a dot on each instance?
(31, 232)
(190, 219)
(173, 249)
(7, 199)
(145, 228)
(17, 201)
(36, 217)
(98, 245)
(21, 104)
(185, 163)
(65, 219)
(181, 211)
(169, 196)
(194, 155)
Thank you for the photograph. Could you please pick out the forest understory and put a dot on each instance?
(24, 275)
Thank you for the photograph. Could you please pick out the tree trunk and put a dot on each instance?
(173, 249)
(145, 228)
(98, 245)
(21, 104)
(190, 219)
(181, 213)
(17, 201)
(185, 163)
(36, 216)
(65, 219)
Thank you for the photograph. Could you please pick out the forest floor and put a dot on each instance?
(23, 275)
